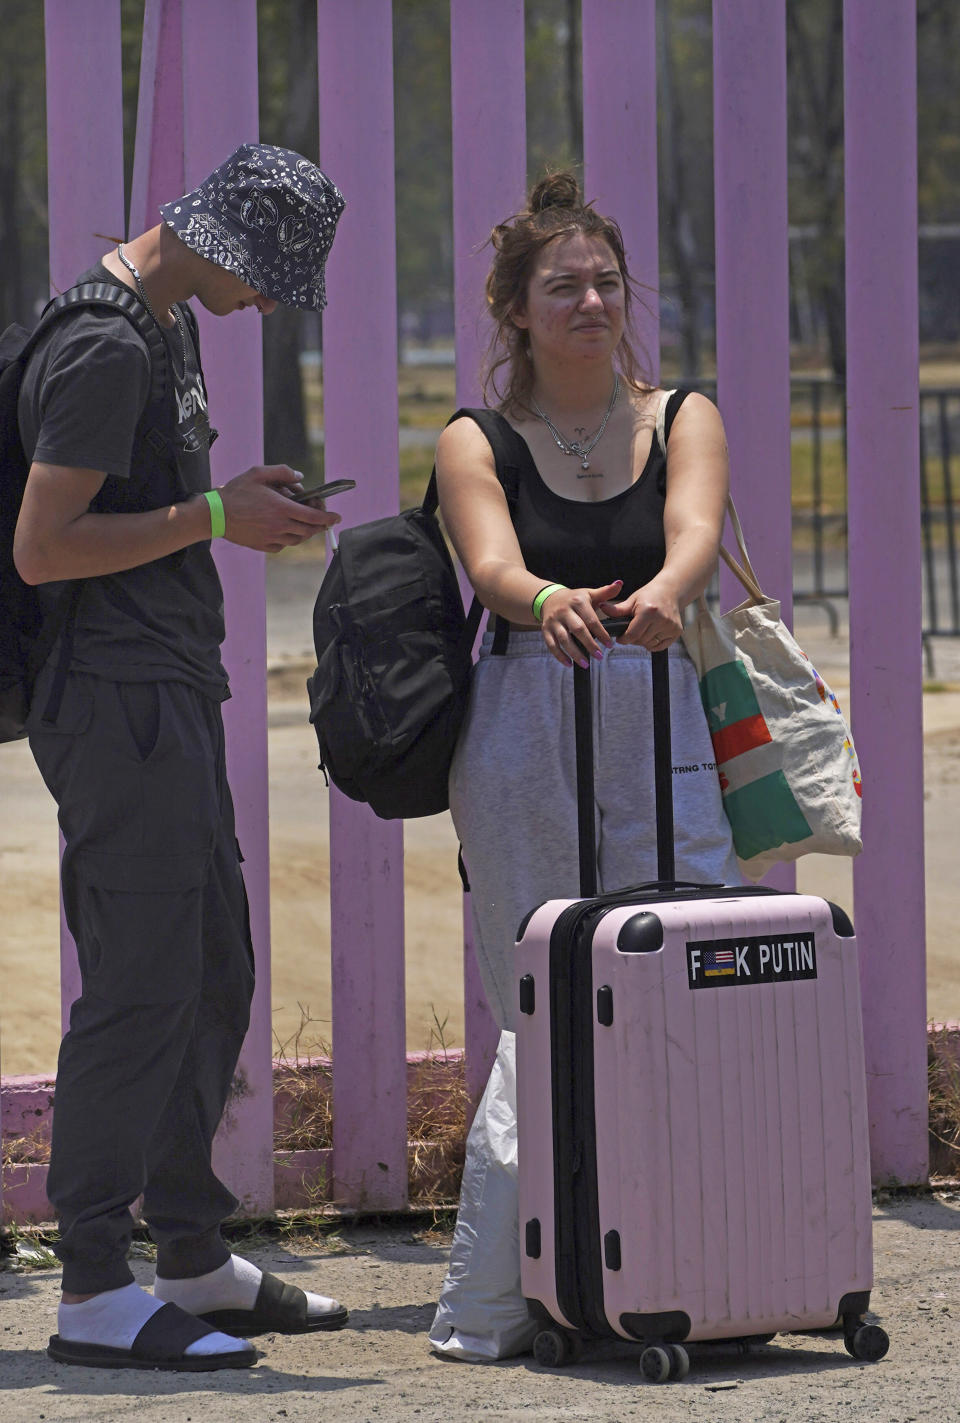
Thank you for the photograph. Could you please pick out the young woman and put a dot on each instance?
(603, 524)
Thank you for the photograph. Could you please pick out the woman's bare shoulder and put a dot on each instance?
(697, 415)
(463, 443)
(696, 403)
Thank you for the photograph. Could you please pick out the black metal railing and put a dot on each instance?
(939, 438)
(818, 422)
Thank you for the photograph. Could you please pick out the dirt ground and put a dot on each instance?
(379, 1367)
(29, 997)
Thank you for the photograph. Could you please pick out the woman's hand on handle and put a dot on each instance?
(571, 622)
(655, 617)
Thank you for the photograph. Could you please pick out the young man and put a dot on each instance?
(126, 728)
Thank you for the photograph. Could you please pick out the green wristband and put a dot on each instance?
(218, 519)
(542, 597)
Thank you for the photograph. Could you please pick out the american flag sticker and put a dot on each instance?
(754, 958)
(718, 963)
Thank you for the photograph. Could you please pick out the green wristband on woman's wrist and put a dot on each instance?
(542, 597)
(218, 519)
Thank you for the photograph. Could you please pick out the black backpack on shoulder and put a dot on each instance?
(394, 653)
(26, 637)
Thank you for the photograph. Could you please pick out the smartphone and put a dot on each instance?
(323, 491)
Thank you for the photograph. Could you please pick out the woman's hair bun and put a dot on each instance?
(556, 190)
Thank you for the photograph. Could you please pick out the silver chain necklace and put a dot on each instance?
(143, 297)
(580, 448)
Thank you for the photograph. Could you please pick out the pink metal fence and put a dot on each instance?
(489, 179)
(880, 126)
(360, 418)
(198, 100)
(753, 338)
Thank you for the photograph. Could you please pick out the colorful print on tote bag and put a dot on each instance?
(788, 769)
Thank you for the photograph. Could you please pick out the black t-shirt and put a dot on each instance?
(85, 404)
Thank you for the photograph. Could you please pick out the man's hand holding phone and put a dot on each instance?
(266, 508)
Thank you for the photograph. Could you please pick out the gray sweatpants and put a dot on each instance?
(154, 897)
(513, 790)
(513, 795)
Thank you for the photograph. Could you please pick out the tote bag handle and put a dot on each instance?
(742, 569)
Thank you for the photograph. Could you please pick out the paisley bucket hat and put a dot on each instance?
(269, 216)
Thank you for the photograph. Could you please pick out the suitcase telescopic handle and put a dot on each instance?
(662, 765)
(615, 626)
(667, 886)
(663, 771)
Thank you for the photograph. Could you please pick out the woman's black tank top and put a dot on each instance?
(587, 544)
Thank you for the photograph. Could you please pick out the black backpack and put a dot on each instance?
(394, 653)
(26, 637)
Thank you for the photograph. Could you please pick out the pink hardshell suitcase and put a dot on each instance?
(693, 1148)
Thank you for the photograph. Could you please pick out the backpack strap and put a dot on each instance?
(510, 452)
(510, 455)
(121, 299)
(505, 454)
(60, 622)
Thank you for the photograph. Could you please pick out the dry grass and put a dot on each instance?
(436, 1111)
(943, 1063)
(30, 1150)
(303, 1091)
(436, 1122)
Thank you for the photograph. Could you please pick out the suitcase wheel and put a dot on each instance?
(868, 1342)
(554, 1348)
(656, 1363)
(679, 1361)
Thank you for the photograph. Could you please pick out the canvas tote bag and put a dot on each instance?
(785, 757)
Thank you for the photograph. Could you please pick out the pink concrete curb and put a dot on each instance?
(304, 1178)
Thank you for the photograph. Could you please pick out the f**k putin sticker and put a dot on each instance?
(760, 958)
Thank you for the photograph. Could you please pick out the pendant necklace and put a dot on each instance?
(580, 448)
(143, 297)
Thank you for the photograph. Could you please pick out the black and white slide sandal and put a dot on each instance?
(161, 1344)
(278, 1309)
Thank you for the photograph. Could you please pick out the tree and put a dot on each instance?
(815, 95)
(289, 117)
(554, 93)
(685, 167)
(424, 177)
(23, 167)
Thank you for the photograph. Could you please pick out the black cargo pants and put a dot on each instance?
(154, 897)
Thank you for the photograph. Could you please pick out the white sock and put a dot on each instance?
(233, 1286)
(115, 1317)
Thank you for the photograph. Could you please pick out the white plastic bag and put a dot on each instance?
(482, 1314)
